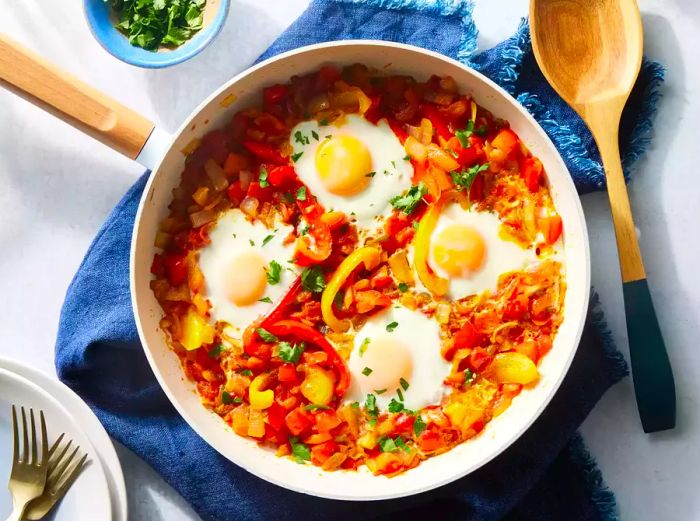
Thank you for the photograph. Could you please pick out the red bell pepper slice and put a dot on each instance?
(261, 193)
(275, 94)
(176, 268)
(531, 171)
(373, 114)
(300, 331)
(298, 421)
(506, 140)
(479, 359)
(323, 239)
(287, 373)
(397, 129)
(265, 152)
(281, 176)
(276, 415)
(551, 227)
(235, 193)
(431, 112)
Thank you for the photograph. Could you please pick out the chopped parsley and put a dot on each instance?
(403, 287)
(245, 372)
(418, 426)
(301, 138)
(266, 335)
(150, 24)
(399, 394)
(464, 135)
(226, 398)
(274, 272)
(316, 407)
(288, 197)
(363, 346)
(295, 157)
(393, 163)
(402, 444)
(371, 405)
(406, 157)
(304, 230)
(262, 178)
(409, 201)
(291, 352)
(367, 371)
(404, 384)
(268, 239)
(395, 406)
(252, 242)
(387, 444)
(371, 174)
(323, 122)
(391, 326)
(301, 193)
(380, 391)
(266, 300)
(465, 178)
(481, 131)
(469, 376)
(300, 451)
(313, 279)
(314, 134)
(215, 351)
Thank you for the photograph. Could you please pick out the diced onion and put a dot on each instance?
(442, 313)
(201, 218)
(249, 206)
(246, 177)
(216, 175)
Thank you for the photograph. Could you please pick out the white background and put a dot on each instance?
(57, 186)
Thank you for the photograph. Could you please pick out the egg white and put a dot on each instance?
(232, 235)
(502, 256)
(421, 337)
(392, 175)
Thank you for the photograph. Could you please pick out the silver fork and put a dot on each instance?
(28, 476)
(60, 478)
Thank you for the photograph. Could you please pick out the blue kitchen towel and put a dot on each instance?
(546, 474)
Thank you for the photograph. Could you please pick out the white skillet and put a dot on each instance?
(134, 136)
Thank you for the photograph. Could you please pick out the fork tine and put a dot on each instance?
(63, 466)
(44, 440)
(55, 463)
(55, 445)
(25, 448)
(33, 447)
(74, 473)
(15, 436)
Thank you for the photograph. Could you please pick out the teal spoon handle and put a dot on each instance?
(651, 370)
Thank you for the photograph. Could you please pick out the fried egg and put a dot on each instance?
(466, 249)
(352, 166)
(242, 280)
(396, 355)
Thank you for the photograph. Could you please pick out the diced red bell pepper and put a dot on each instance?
(262, 194)
(274, 95)
(506, 141)
(235, 193)
(287, 373)
(322, 451)
(158, 266)
(479, 359)
(276, 415)
(516, 307)
(314, 357)
(429, 440)
(476, 191)
(176, 268)
(404, 423)
(326, 421)
(467, 337)
(373, 115)
(281, 176)
(397, 129)
(531, 171)
(307, 255)
(329, 75)
(264, 152)
(431, 112)
(298, 421)
(300, 331)
(551, 227)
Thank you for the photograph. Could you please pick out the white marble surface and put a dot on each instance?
(57, 186)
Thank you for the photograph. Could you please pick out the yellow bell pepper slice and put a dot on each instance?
(196, 331)
(513, 368)
(259, 399)
(370, 256)
(317, 387)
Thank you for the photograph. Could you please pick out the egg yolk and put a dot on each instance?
(245, 279)
(459, 250)
(342, 163)
(389, 362)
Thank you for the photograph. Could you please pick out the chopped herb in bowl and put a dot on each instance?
(151, 24)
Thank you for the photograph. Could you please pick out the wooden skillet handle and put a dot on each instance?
(33, 78)
(654, 385)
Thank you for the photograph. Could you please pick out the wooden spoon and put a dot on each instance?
(590, 51)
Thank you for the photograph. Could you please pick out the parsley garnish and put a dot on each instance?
(156, 22)
(391, 326)
(387, 444)
(300, 451)
(262, 178)
(274, 272)
(463, 135)
(469, 376)
(312, 279)
(403, 287)
(301, 193)
(404, 384)
(406, 157)
(295, 157)
(408, 202)
(363, 346)
(395, 406)
(481, 131)
(402, 444)
(245, 372)
(380, 391)
(266, 300)
(465, 178)
(300, 138)
(367, 371)
(399, 394)
(291, 352)
(371, 405)
(215, 351)
(314, 134)
(418, 426)
(315, 407)
(268, 239)
(323, 122)
(371, 174)
(226, 398)
(252, 243)
(266, 335)
(288, 197)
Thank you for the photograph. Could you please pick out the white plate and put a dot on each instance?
(91, 427)
(88, 498)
